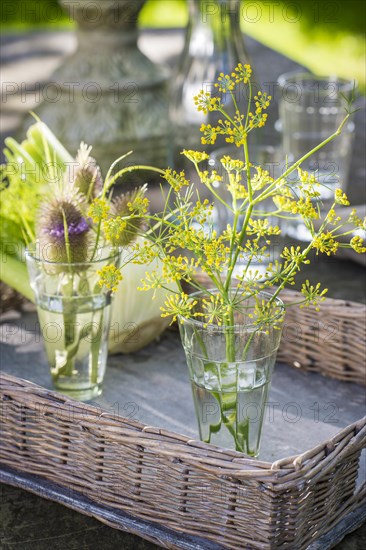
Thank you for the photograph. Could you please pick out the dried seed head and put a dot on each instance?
(88, 178)
(132, 206)
(56, 214)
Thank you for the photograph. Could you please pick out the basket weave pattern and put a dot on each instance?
(183, 484)
(332, 341)
(190, 486)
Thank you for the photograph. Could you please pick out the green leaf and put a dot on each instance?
(14, 273)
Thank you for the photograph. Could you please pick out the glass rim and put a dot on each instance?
(291, 77)
(223, 328)
(30, 252)
(76, 297)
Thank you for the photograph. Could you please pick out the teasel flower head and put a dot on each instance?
(87, 178)
(62, 230)
(127, 216)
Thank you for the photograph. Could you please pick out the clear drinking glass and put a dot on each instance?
(230, 369)
(74, 316)
(311, 108)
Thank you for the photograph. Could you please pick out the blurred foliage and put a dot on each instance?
(164, 14)
(325, 36)
(18, 14)
(336, 15)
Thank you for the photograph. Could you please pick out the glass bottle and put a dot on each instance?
(213, 44)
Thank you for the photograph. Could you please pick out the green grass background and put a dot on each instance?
(328, 37)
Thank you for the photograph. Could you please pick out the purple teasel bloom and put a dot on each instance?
(73, 229)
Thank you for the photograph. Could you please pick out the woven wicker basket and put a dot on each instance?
(332, 341)
(188, 486)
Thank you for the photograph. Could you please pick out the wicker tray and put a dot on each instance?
(332, 341)
(183, 493)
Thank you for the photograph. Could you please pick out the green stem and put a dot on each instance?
(67, 240)
(112, 180)
(249, 104)
(95, 348)
(246, 347)
(292, 269)
(237, 252)
(212, 190)
(71, 344)
(246, 220)
(73, 347)
(247, 162)
(95, 248)
(111, 168)
(219, 396)
(230, 337)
